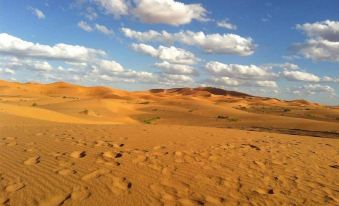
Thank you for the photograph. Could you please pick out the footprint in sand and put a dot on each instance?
(120, 185)
(107, 158)
(55, 200)
(32, 160)
(140, 159)
(108, 155)
(14, 187)
(66, 172)
(214, 200)
(335, 166)
(80, 193)
(3, 199)
(30, 150)
(10, 144)
(9, 138)
(251, 146)
(78, 154)
(66, 164)
(96, 174)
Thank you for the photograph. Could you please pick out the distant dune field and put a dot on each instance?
(64, 144)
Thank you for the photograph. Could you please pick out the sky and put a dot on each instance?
(285, 49)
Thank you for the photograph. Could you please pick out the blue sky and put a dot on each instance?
(284, 49)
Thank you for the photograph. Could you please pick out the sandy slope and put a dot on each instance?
(63, 144)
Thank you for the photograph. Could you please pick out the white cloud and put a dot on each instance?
(84, 26)
(7, 71)
(225, 81)
(113, 7)
(285, 66)
(226, 24)
(323, 42)
(240, 75)
(327, 30)
(110, 66)
(103, 29)
(217, 43)
(234, 82)
(38, 13)
(146, 36)
(13, 63)
(210, 43)
(237, 71)
(91, 14)
(176, 78)
(11, 45)
(300, 76)
(168, 12)
(23, 55)
(312, 89)
(170, 54)
(319, 49)
(265, 83)
(169, 68)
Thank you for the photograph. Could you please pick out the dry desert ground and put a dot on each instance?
(63, 144)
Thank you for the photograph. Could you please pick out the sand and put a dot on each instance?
(63, 144)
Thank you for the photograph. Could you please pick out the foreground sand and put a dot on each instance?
(63, 144)
(64, 164)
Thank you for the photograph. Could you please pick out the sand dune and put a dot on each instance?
(64, 144)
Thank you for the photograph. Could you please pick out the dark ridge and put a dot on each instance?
(201, 90)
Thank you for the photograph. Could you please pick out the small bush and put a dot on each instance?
(149, 121)
(222, 117)
(146, 102)
(231, 119)
(34, 104)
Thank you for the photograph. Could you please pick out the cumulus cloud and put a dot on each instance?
(11, 45)
(226, 24)
(103, 29)
(300, 76)
(169, 54)
(323, 42)
(113, 7)
(327, 30)
(18, 54)
(311, 89)
(84, 26)
(110, 66)
(169, 68)
(235, 75)
(146, 36)
(210, 43)
(14, 63)
(234, 82)
(176, 79)
(284, 66)
(319, 49)
(238, 71)
(168, 12)
(227, 81)
(37, 12)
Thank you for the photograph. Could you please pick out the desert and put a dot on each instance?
(64, 144)
(169, 103)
